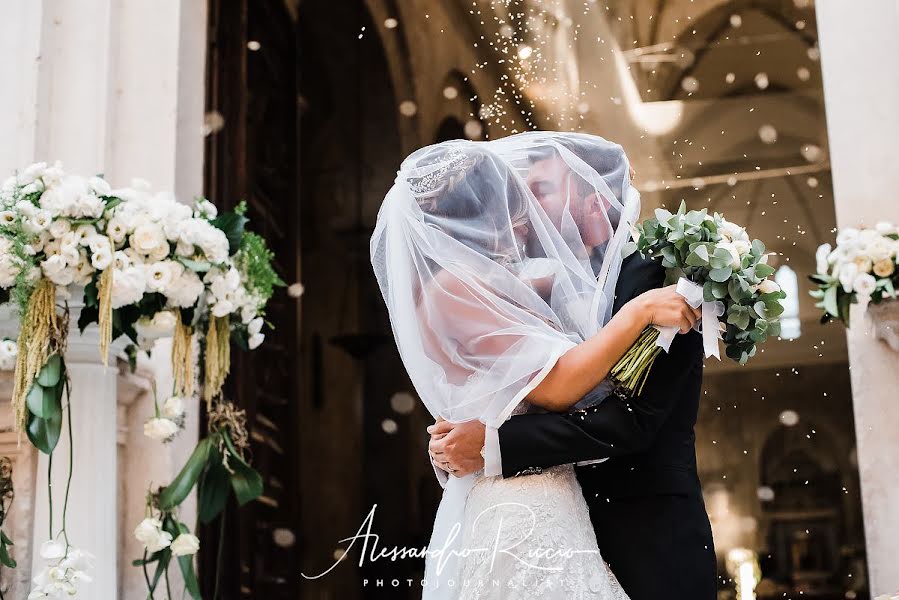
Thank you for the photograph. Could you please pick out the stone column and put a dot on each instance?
(861, 92)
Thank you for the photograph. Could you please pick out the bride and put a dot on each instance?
(500, 297)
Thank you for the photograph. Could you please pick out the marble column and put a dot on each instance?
(861, 91)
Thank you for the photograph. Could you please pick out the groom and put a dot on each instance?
(646, 502)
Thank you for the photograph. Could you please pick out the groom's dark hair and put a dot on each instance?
(586, 151)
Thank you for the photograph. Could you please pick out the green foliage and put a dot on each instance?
(44, 405)
(254, 260)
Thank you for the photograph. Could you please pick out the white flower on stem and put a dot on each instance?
(84, 270)
(207, 209)
(7, 218)
(173, 408)
(99, 186)
(162, 324)
(732, 232)
(53, 550)
(160, 429)
(734, 253)
(255, 326)
(255, 340)
(56, 269)
(846, 236)
(821, 258)
(884, 267)
(66, 568)
(40, 221)
(185, 545)
(150, 533)
(886, 228)
(864, 286)
(26, 209)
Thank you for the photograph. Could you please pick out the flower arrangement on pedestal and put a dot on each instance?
(146, 265)
(863, 268)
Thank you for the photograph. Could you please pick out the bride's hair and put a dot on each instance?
(477, 199)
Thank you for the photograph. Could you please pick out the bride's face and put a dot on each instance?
(554, 185)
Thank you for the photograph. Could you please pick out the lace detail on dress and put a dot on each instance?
(531, 537)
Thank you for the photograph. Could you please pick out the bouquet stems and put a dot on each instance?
(630, 372)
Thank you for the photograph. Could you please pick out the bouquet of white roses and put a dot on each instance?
(717, 267)
(862, 268)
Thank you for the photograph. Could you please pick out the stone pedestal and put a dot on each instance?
(861, 91)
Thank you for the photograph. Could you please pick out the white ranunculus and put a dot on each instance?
(147, 238)
(151, 535)
(54, 265)
(185, 545)
(128, 285)
(742, 246)
(768, 286)
(732, 232)
(255, 326)
(884, 267)
(864, 286)
(7, 218)
(173, 408)
(255, 340)
(160, 429)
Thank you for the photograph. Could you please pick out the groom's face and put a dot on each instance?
(556, 186)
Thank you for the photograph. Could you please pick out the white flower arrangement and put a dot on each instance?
(148, 266)
(862, 268)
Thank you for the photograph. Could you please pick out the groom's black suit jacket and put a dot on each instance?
(645, 502)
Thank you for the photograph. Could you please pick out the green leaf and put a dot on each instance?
(232, 224)
(628, 249)
(760, 309)
(763, 270)
(44, 433)
(5, 558)
(200, 266)
(187, 569)
(830, 302)
(662, 216)
(246, 481)
(42, 402)
(175, 493)
(213, 489)
(51, 371)
(720, 275)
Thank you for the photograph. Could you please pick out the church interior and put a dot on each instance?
(311, 106)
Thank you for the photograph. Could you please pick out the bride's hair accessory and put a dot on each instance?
(446, 171)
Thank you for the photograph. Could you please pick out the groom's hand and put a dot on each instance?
(456, 447)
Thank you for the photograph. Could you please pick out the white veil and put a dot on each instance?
(494, 259)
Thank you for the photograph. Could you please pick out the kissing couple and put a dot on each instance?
(501, 266)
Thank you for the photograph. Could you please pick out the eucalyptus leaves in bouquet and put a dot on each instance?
(863, 268)
(718, 267)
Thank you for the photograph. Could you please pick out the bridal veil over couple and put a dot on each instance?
(501, 266)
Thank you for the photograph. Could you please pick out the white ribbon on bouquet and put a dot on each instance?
(708, 325)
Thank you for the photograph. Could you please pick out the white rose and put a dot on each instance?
(84, 233)
(185, 544)
(26, 208)
(742, 246)
(255, 340)
(101, 259)
(31, 173)
(160, 429)
(99, 186)
(886, 228)
(846, 236)
(732, 232)
(768, 286)
(223, 308)
(147, 237)
(185, 290)
(173, 408)
(864, 286)
(7, 218)
(149, 533)
(88, 205)
(159, 276)
(128, 286)
(884, 268)
(54, 265)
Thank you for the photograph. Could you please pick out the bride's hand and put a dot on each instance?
(666, 308)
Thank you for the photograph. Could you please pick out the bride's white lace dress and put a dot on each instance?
(531, 537)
